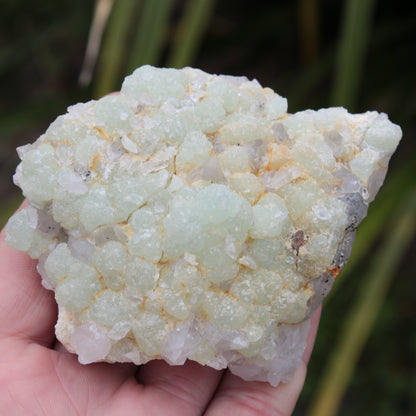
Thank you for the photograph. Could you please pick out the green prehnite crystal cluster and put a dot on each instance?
(192, 217)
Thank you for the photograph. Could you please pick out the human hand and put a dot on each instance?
(38, 376)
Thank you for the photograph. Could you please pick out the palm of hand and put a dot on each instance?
(38, 377)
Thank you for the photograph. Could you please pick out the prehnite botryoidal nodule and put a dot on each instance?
(192, 217)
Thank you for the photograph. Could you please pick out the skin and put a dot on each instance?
(38, 376)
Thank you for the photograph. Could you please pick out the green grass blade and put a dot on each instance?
(190, 32)
(360, 320)
(352, 49)
(110, 69)
(152, 27)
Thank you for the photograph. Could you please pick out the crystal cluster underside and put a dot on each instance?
(192, 217)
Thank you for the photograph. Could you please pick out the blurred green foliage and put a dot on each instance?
(355, 53)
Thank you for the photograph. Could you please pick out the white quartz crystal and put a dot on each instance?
(192, 217)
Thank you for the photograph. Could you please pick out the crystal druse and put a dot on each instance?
(192, 217)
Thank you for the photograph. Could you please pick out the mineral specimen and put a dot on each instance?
(192, 217)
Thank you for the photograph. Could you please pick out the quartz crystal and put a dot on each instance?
(192, 217)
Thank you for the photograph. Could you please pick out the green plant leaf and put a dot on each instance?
(352, 48)
(190, 32)
(113, 50)
(151, 30)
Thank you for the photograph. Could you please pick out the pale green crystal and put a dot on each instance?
(225, 311)
(270, 217)
(147, 240)
(267, 250)
(247, 185)
(128, 194)
(111, 307)
(159, 84)
(150, 333)
(39, 174)
(190, 216)
(141, 275)
(300, 196)
(110, 260)
(234, 159)
(20, 230)
(113, 115)
(59, 263)
(228, 95)
(364, 164)
(195, 150)
(78, 287)
(209, 114)
(88, 149)
(259, 286)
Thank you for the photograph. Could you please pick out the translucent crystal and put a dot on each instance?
(192, 217)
